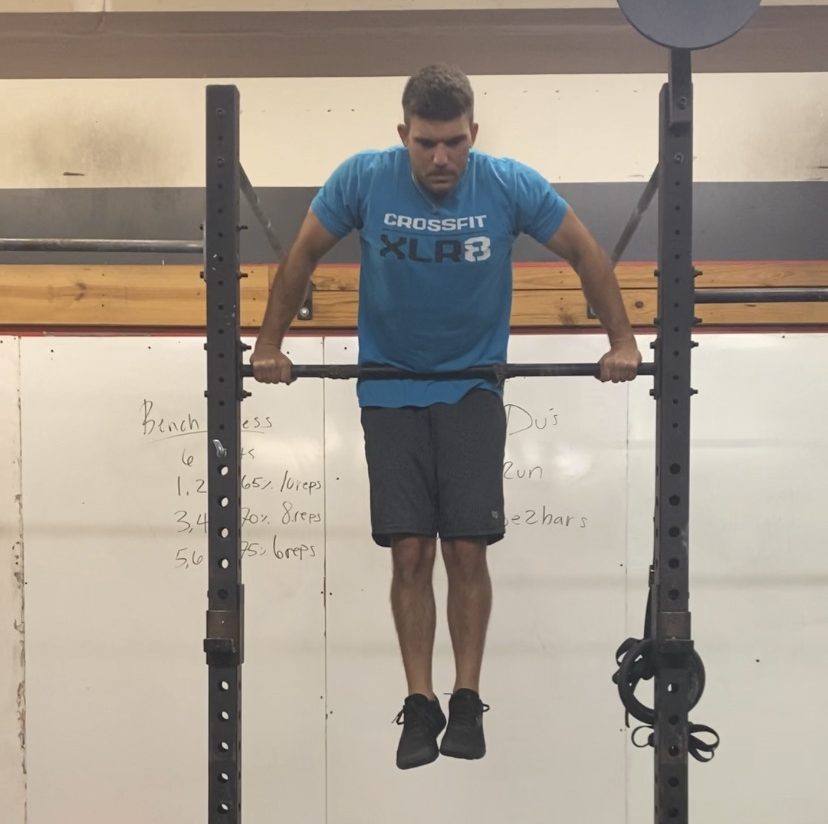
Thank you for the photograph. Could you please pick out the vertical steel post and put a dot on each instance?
(670, 616)
(223, 644)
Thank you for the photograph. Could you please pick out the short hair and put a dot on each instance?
(438, 92)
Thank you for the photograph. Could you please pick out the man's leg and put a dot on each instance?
(469, 607)
(412, 603)
(470, 438)
(401, 470)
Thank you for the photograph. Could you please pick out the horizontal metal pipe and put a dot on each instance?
(100, 245)
(791, 295)
(497, 372)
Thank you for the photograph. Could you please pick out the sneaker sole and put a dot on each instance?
(466, 756)
(426, 758)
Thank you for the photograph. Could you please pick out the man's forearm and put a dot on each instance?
(286, 296)
(603, 294)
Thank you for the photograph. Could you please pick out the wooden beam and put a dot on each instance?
(544, 295)
(554, 275)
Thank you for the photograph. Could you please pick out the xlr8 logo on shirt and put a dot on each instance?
(426, 249)
(478, 248)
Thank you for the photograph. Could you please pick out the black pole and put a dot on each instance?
(496, 372)
(224, 644)
(670, 616)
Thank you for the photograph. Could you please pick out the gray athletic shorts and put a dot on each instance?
(437, 470)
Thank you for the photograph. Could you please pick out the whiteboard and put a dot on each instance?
(116, 595)
(759, 572)
(114, 446)
(12, 698)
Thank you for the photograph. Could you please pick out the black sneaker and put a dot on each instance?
(464, 735)
(422, 721)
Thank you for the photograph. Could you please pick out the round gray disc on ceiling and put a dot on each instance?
(688, 24)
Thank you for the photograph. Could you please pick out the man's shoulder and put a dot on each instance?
(514, 178)
(377, 160)
(497, 166)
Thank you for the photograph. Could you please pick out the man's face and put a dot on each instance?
(439, 150)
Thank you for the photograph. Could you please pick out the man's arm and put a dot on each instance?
(270, 365)
(574, 243)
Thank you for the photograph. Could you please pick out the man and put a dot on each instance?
(437, 222)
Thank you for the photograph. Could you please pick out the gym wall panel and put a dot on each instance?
(382, 43)
(361, 5)
(124, 158)
(51, 6)
(733, 221)
(573, 128)
(314, 5)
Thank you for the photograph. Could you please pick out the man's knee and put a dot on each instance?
(413, 557)
(465, 558)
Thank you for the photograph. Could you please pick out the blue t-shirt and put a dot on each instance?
(435, 287)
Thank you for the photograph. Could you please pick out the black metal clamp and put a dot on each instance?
(224, 642)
